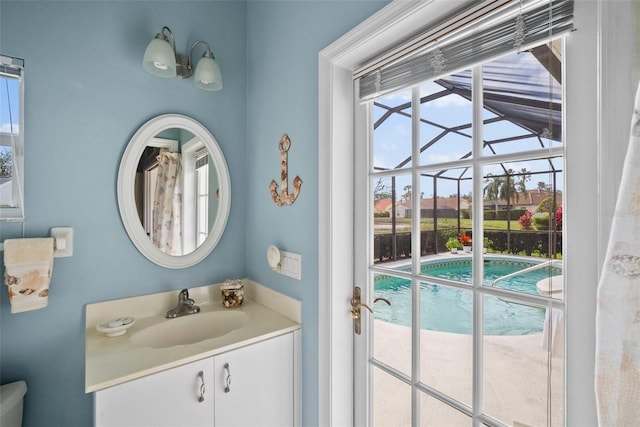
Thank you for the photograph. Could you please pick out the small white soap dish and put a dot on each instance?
(116, 327)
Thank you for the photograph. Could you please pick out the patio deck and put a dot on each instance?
(515, 378)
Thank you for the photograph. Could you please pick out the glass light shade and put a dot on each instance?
(208, 75)
(159, 59)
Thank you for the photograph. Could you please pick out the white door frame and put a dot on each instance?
(603, 58)
(394, 22)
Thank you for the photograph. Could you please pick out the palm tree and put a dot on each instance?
(506, 187)
(509, 192)
(521, 184)
(407, 192)
(495, 189)
(543, 186)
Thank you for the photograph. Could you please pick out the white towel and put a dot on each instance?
(553, 332)
(618, 305)
(28, 266)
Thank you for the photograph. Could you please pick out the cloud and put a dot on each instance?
(399, 97)
(442, 158)
(493, 170)
(449, 101)
(380, 162)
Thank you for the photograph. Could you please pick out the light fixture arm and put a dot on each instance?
(206, 54)
(172, 40)
(185, 63)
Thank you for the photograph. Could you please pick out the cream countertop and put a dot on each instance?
(112, 361)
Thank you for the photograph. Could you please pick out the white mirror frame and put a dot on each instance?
(126, 193)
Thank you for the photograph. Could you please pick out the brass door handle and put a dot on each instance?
(356, 306)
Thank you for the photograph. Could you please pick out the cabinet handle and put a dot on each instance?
(227, 380)
(201, 376)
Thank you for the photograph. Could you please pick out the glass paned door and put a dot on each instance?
(465, 241)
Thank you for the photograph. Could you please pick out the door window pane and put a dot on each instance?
(391, 400)
(392, 131)
(523, 93)
(446, 351)
(392, 212)
(445, 120)
(434, 413)
(445, 214)
(522, 365)
(392, 323)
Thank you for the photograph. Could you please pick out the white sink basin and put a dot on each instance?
(190, 329)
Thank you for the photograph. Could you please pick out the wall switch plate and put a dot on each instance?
(291, 264)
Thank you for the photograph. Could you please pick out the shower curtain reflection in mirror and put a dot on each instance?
(167, 204)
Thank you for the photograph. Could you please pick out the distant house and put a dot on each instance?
(447, 207)
(441, 207)
(383, 205)
(529, 201)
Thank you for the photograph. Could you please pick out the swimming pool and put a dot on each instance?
(448, 309)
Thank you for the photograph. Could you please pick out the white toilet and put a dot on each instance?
(11, 396)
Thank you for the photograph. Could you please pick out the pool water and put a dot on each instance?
(447, 309)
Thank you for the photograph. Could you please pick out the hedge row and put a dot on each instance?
(502, 214)
(513, 242)
(527, 242)
(381, 214)
(514, 214)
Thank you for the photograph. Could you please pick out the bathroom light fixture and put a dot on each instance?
(162, 60)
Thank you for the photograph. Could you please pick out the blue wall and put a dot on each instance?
(86, 94)
(284, 40)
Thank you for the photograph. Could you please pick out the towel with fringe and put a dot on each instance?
(28, 266)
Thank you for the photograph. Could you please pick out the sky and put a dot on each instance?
(392, 139)
(9, 111)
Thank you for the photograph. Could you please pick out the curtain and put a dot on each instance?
(618, 304)
(167, 204)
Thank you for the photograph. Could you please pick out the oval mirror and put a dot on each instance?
(174, 191)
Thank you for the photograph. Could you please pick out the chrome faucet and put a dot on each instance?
(185, 306)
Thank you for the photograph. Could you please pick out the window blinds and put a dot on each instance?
(202, 158)
(482, 32)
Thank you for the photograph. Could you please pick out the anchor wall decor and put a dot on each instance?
(284, 198)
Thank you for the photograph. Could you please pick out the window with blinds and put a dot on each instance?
(11, 138)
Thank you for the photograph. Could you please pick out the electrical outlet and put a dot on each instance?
(291, 264)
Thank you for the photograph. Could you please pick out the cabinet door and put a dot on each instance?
(260, 385)
(169, 398)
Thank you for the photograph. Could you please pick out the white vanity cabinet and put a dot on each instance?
(168, 398)
(255, 385)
